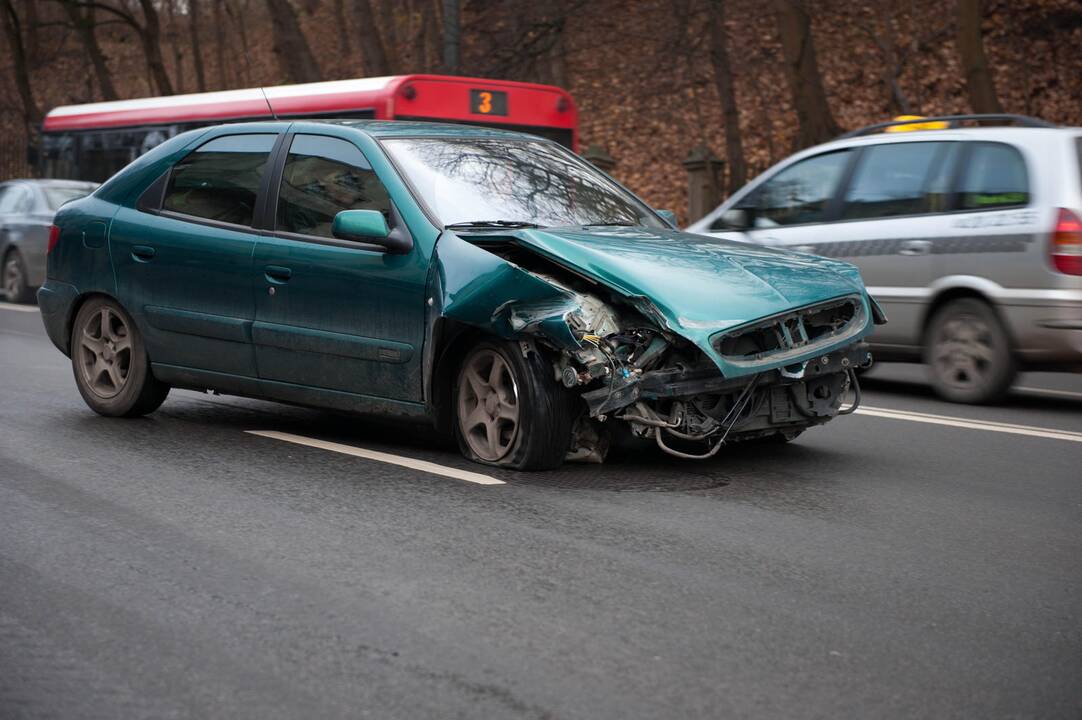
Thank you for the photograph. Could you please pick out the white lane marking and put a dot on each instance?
(1057, 393)
(18, 308)
(988, 425)
(422, 465)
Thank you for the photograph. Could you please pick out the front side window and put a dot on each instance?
(322, 177)
(800, 193)
(469, 180)
(893, 180)
(220, 180)
(995, 177)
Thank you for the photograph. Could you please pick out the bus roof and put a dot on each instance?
(422, 96)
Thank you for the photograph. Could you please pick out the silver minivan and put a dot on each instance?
(969, 237)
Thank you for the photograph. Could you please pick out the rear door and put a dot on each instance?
(336, 314)
(889, 222)
(184, 263)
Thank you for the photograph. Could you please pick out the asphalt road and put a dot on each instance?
(887, 565)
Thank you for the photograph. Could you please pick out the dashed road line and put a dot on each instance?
(406, 462)
(19, 308)
(988, 425)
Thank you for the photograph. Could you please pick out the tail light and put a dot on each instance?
(54, 235)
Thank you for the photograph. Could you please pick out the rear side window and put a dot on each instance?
(800, 193)
(894, 180)
(995, 177)
(220, 180)
(322, 177)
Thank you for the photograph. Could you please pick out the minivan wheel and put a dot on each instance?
(969, 353)
(509, 409)
(14, 275)
(112, 370)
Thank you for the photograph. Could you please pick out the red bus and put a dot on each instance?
(93, 141)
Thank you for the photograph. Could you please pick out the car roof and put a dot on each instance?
(399, 128)
(1012, 134)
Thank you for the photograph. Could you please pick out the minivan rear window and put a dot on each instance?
(995, 177)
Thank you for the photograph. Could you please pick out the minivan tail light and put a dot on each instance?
(54, 235)
(1066, 248)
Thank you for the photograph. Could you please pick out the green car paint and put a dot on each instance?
(248, 311)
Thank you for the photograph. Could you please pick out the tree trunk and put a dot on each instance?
(219, 44)
(451, 31)
(373, 53)
(979, 83)
(295, 60)
(174, 43)
(197, 53)
(84, 23)
(151, 37)
(723, 78)
(344, 50)
(802, 72)
(13, 31)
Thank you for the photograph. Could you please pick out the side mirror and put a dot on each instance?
(735, 219)
(668, 216)
(369, 226)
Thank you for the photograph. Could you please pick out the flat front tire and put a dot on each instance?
(509, 411)
(968, 353)
(112, 370)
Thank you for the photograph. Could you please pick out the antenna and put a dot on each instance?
(267, 100)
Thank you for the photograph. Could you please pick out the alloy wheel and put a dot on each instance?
(488, 405)
(13, 278)
(105, 353)
(963, 352)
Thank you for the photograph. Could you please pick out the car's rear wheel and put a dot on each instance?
(112, 370)
(16, 287)
(509, 409)
(969, 353)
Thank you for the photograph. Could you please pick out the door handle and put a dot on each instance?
(277, 273)
(915, 247)
(142, 253)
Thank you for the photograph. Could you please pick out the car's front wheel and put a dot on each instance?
(509, 409)
(969, 353)
(16, 287)
(112, 370)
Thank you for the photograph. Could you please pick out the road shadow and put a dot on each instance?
(1017, 399)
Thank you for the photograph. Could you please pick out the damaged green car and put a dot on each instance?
(488, 282)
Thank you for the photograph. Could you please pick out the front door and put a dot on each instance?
(184, 269)
(330, 313)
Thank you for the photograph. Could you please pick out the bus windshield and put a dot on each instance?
(487, 180)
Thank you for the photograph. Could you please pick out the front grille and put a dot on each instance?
(793, 333)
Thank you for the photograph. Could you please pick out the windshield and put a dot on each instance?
(57, 196)
(486, 180)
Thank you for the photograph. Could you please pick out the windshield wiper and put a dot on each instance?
(615, 223)
(491, 224)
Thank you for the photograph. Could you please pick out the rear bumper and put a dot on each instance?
(56, 300)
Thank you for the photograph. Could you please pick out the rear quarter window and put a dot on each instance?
(995, 176)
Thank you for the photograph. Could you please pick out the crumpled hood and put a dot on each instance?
(701, 284)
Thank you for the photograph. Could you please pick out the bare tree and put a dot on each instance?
(219, 43)
(723, 78)
(295, 60)
(373, 52)
(149, 33)
(83, 20)
(802, 72)
(893, 57)
(451, 32)
(197, 52)
(344, 50)
(14, 33)
(970, 43)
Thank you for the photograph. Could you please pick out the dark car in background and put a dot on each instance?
(27, 208)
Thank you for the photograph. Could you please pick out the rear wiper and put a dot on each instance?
(491, 224)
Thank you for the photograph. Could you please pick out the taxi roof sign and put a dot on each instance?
(910, 127)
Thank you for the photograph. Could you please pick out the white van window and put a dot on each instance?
(995, 177)
(892, 180)
(801, 193)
